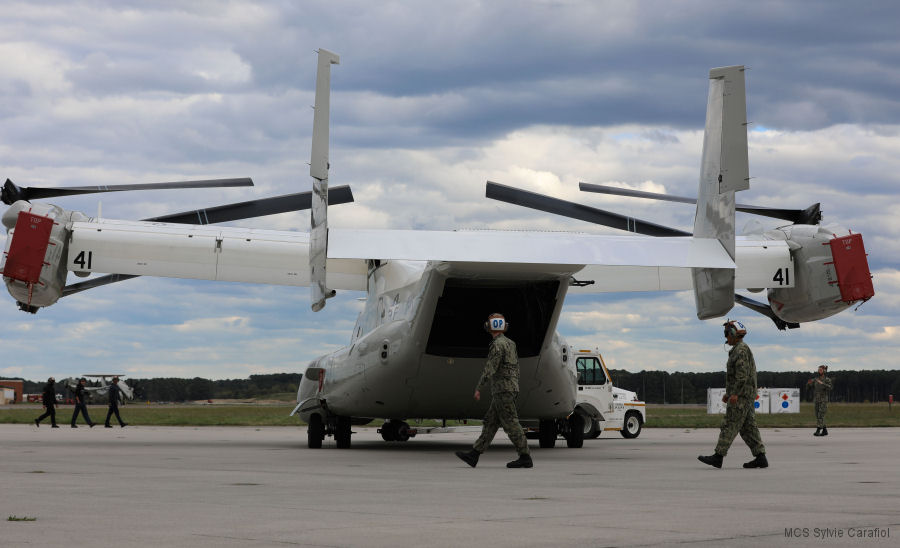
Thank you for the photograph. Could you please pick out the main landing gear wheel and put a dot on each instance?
(342, 432)
(315, 432)
(547, 434)
(393, 430)
(632, 426)
(575, 435)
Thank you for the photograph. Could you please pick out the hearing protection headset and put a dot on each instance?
(734, 328)
(496, 322)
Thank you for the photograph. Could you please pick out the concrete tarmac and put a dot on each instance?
(225, 486)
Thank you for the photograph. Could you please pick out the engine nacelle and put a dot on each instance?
(831, 273)
(33, 263)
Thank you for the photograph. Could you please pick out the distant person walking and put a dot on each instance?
(822, 386)
(114, 392)
(501, 371)
(48, 398)
(80, 404)
(740, 393)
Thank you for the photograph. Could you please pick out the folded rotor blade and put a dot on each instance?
(71, 289)
(577, 211)
(765, 310)
(11, 192)
(254, 208)
(809, 216)
(221, 214)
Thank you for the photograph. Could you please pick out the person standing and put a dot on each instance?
(80, 404)
(114, 392)
(740, 393)
(822, 385)
(48, 398)
(501, 371)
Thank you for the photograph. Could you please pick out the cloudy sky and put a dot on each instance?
(430, 101)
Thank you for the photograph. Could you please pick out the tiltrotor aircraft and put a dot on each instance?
(418, 346)
(125, 392)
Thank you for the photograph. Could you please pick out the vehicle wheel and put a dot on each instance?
(342, 432)
(315, 432)
(591, 429)
(389, 431)
(402, 431)
(632, 426)
(575, 436)
(547, 434)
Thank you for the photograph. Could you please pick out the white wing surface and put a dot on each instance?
(611, 262)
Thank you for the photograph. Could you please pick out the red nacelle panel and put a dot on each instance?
(852, 268)
(28, 248)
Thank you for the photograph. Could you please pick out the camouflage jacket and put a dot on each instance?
(740, 375)
(821, 385)
(502, 367)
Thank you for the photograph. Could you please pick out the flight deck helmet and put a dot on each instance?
(496, 323)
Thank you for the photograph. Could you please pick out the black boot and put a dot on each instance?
(524, 461)
(818, 432)
(469, 457)
(37, 423)
(713, 460)
(74, 426)
(759, 462)
(824, 431)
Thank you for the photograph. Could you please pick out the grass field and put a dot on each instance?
(658, 416)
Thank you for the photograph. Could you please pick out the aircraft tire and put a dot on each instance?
(389, 431)
(547, 434)
(342, 432)
(402, 431)
(575, 435)
(315, 432)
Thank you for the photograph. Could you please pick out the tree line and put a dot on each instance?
(849, 386)
(172, 389)
(651, 386)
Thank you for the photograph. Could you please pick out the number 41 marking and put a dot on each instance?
(81, 261)
(782, 279)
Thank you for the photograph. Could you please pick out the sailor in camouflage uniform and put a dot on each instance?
(740, 393)
(822, 385)
(501, 371)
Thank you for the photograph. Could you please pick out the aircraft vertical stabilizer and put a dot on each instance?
(723, 171)
(318, 169)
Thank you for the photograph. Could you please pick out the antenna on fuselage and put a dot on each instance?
(318, 169)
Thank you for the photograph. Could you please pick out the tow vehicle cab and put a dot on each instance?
(605, 407)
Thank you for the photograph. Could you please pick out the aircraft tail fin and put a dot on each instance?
(723, 171)
(318, 169)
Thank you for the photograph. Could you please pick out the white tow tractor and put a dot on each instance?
(604, 407)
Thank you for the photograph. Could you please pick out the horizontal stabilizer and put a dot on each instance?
(526, 247)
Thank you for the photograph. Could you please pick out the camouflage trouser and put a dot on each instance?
(502, 412)
(821, 408)
(740, 418)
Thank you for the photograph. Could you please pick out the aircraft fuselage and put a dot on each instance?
(419, 347)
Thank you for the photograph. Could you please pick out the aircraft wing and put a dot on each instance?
(613, 262)
(527, 247)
